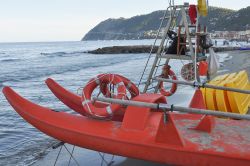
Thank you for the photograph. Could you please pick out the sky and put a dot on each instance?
(69, 20)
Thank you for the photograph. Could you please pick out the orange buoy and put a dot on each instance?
(109, 110)
(203, 68)
(168, 74)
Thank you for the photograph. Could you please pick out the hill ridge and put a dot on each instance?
(219, 19)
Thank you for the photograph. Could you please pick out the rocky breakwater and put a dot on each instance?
(143, 49)
(125, 50)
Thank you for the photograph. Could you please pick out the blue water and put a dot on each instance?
(25, 66)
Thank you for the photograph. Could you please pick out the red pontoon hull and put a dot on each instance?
(74, 102)
(143, 135)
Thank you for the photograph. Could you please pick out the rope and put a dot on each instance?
(84, 97)
(72, 155)
(102, 155)
(152, 48)
(58, 155)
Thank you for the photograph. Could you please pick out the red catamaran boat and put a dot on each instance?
(145, 126)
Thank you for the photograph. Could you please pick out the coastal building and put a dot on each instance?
(248, 35)
(228, 35)
(231, 35)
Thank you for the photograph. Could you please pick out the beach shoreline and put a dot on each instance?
(240, 61)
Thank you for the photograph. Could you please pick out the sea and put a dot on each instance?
(25, 67)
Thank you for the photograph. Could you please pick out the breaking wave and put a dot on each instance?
(62, 54)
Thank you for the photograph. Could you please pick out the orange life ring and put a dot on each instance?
(109, 110)
(173, 88)
(130, 86)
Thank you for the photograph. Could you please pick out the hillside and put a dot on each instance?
(135, 27)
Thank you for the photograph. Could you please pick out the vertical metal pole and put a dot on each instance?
(166, 63)
(196, 48)
(179, 41)
(184, 15)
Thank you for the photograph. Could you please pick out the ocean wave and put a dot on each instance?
(10, 60)
(28, 152)
(21, 75)
(27, 75)
(62, 54)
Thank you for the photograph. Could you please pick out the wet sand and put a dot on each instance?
(240, 61)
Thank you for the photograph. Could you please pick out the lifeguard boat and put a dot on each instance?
(212, 130)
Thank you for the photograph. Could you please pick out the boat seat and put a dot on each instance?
(221, 96)
(135, 118)
(239, 102)
(209, 95)
(140, 119)
(228, 101)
